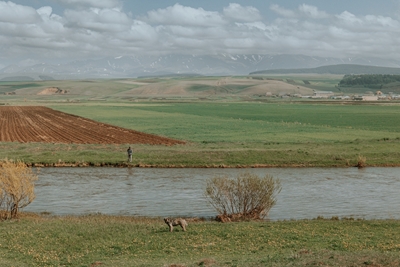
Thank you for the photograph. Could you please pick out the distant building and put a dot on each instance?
(383, 97)
(370, 97)
(342, 97)
(322, 94)
(366, 98)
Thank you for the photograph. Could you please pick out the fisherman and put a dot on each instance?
(129, 151)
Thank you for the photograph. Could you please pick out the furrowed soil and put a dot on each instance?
(26, 124)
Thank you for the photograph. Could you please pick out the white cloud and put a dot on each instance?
(303, 10)
(349, 18)
(312, 12)
(254, 25)
(13, 13)
(311, 31)
(101, 20)
(282, 11)
(382, 21)
(45, 12)
(240, 13)
(93, 28)
(182, 15)
(141, 31)
(92, 3)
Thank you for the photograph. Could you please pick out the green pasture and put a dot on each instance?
(250, 122)
(97, 240)
(12, 86)
(233, 135)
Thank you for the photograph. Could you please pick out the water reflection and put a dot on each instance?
(306, 193)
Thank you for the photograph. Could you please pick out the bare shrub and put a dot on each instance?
(16, 187)
(361, 161)
(248, 197)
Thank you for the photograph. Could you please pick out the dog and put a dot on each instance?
(175, 222)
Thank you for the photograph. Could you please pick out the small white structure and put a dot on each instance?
(369, 97)
(322, 94)
(366, 98)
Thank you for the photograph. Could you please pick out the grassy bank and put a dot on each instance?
(233, 135)
(126, 241)
(383, 152)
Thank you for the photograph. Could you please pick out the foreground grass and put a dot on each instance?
(126, 241)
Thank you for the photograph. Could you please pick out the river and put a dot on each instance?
(370, 193)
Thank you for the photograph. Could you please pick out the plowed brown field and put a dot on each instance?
(42, 124)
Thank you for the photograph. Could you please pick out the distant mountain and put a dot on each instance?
(212, 65)
(17, 79)
(341, 69)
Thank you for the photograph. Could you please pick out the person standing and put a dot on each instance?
(129, 151)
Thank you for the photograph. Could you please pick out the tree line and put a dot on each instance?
(368, 79)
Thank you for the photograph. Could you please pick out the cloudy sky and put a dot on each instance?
(64, 30)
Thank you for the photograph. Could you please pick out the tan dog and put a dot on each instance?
(174, 222)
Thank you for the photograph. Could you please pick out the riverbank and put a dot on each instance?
(98, 240)
(372, 153)
(222, 166)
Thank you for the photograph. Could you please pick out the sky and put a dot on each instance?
(58, 31)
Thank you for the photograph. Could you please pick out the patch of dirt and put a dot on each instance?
(52, 91)
(27, 124)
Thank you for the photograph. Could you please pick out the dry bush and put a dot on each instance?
(361, 161)
(248, 197)
(16, 187)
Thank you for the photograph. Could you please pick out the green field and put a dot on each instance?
(125, 241)
(299, 133)
(250, 122)
(234, 134)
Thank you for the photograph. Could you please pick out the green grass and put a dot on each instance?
(212, 154)
(234, 134)
(251, 122)
(12, 86)
(200, 87)
(127, 241)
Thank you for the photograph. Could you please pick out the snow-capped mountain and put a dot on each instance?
(136, 66)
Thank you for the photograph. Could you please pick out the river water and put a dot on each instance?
(370, 193)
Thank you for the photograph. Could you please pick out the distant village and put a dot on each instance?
(368, 96)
